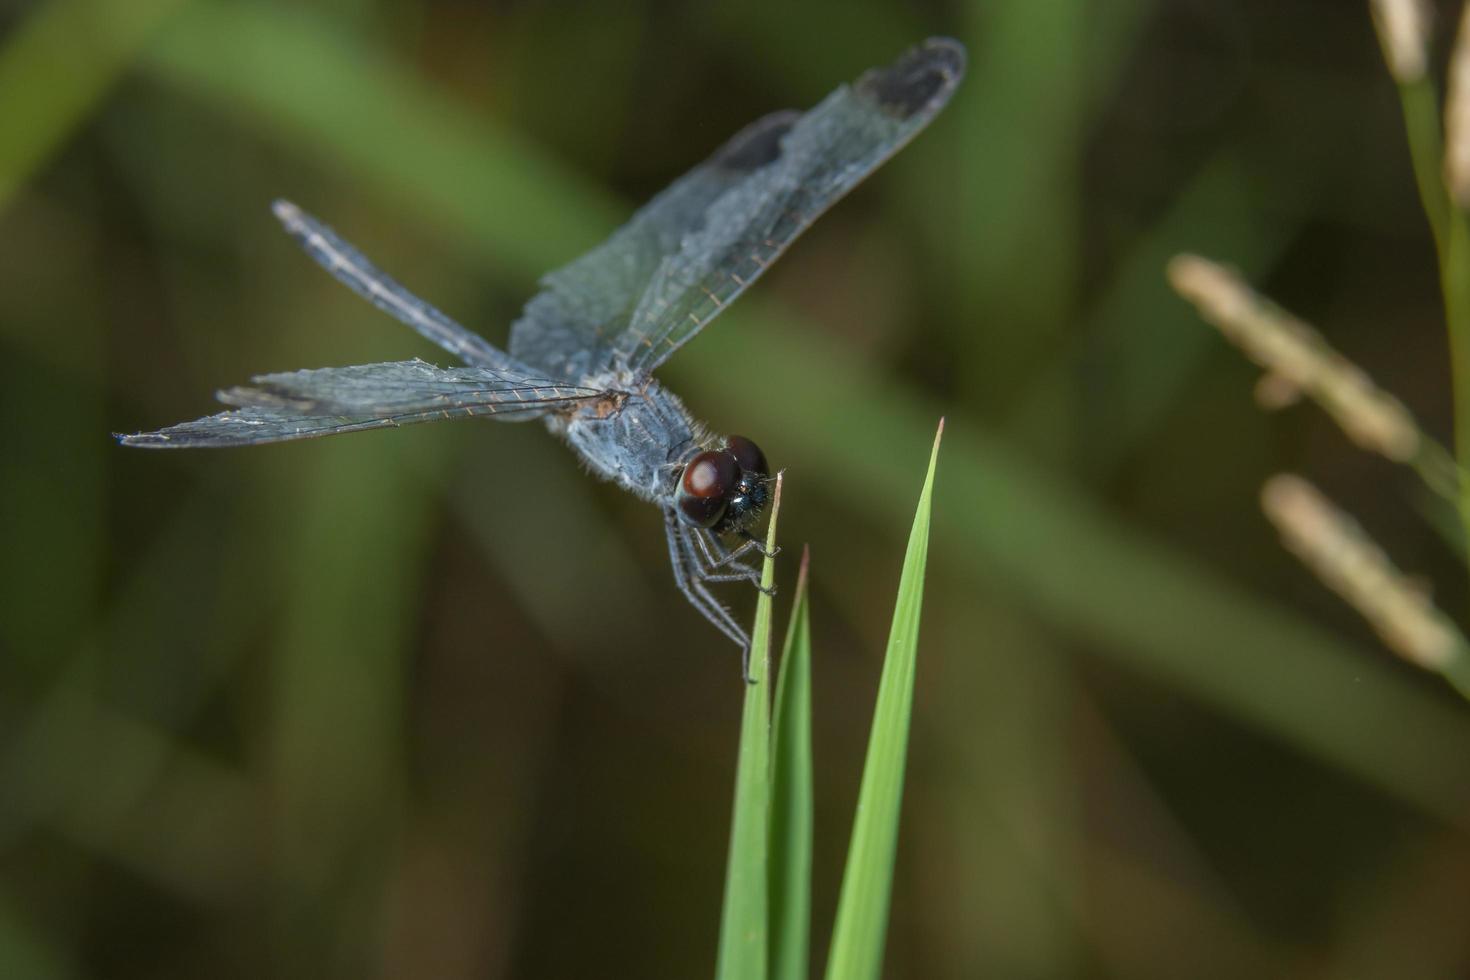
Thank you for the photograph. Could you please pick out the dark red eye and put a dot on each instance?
(705, 486)
(747, 454)
(710, 474)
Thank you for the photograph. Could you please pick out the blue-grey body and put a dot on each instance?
(639, 436)
(582, 355)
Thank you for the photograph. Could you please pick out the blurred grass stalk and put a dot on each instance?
(765, 925)
(1442, 171)
(58, 67)
(1299, 361)
(1403, 32)
(1455, 253)
(1343, 556)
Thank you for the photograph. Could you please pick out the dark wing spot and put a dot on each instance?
(757, 144)
(923, 75)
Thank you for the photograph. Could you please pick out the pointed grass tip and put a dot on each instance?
(771, 549)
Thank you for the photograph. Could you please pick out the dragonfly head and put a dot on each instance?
(725, 489)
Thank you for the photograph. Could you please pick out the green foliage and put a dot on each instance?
(743, 926)
(1426, 151)
(59, 65)
(769, 873)
(862, 911)
(791, 795)
(1450, 225)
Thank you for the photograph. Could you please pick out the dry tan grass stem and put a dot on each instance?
(1340, 553)
(1296, 359)
(1457, 119)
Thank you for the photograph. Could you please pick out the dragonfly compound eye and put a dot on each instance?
(705, 487)
(748, 455)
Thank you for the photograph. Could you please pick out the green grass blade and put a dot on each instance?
(1426, 150)
(862, 908)
(1076, 564)
(743, 922)
(1455, 282)
(296, 78)
(791, 796)
(1452, 242)
(1451, 228)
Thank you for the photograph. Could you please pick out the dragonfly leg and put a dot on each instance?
(698, 575)
(753, 543)
(688, 577)
(716, 557)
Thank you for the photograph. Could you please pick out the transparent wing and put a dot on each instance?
(326, 401)
(353, 269)
(569, 327)
(691, 251)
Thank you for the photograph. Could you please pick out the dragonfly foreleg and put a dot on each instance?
(716, 557)
(753, 543)
(688, 576)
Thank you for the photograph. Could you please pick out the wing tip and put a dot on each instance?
(945, 51)
(288, 214)
(143, 440)
(921, 81)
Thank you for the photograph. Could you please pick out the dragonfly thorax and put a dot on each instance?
(638, 439)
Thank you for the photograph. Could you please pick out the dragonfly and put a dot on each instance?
(582, 354)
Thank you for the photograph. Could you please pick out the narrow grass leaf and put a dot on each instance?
(1426, 150)
(862, 908)
(743, 929)
(1455, 282)
(1069, 560)
(791, 796)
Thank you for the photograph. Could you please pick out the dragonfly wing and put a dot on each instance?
(829, 151)
(353, 269)
(326, 401)
(637, 298)
(569, 327)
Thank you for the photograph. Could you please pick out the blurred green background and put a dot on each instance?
(427, 704)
